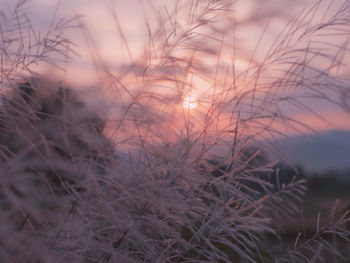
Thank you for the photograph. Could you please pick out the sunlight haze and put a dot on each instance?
(101, 40)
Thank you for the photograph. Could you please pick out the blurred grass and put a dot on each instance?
(169, 184)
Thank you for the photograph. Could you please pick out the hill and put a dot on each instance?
(319, 152)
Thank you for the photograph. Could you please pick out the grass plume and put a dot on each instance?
(150, 181)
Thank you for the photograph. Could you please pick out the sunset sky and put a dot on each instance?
(251, 19)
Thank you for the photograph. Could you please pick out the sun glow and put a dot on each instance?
(190, 102)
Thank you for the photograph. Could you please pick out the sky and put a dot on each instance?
(101, 40)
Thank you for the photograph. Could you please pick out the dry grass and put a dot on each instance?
(168, 184)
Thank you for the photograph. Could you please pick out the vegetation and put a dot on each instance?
(148, 180)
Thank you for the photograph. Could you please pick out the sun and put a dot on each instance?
(190, 102)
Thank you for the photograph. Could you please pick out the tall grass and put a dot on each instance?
(148, 180)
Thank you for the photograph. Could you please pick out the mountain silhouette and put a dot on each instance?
(319, 152)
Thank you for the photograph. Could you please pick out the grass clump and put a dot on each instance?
(151, 181)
